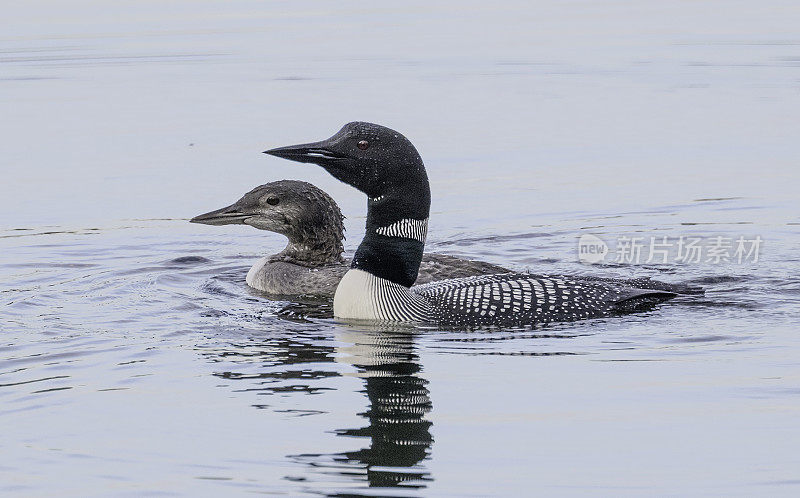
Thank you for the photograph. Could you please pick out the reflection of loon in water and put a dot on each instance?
(397, 437)
(399, 434)
(312, 262)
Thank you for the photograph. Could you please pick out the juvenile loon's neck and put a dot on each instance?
(397, 225)
(324, 249)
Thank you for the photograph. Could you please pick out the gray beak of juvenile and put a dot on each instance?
(315, 152)
(225, 216)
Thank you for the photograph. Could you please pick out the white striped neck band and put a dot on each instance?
(407, 228)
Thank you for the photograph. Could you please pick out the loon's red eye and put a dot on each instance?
(363, 144)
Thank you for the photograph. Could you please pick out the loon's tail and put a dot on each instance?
(647, 283)
(678, 288)
(635, 300)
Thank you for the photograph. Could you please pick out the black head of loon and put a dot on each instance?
(372, 158)
(306, 215)
(383, 164)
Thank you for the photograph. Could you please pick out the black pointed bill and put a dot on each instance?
(315, 152)
(226, 216)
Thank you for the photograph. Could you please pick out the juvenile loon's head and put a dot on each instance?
(372, 158)
(306, 215)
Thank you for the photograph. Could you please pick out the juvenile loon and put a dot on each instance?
(384, 165)
(312, 262)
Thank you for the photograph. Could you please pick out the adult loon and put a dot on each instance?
(312, 262)
(384, 165)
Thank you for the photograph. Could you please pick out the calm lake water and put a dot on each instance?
(134, 359)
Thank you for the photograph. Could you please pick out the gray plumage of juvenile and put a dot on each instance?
(312, 263)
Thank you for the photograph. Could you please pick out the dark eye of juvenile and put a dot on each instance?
(363, 145)
(273, 201)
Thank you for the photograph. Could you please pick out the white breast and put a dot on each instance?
(363, 296)
(251, 279)
(355, 296)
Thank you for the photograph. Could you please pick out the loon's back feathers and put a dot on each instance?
(435, 267)
(516, 299)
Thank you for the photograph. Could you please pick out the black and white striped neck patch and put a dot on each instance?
(407, 228)
(363, 296)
